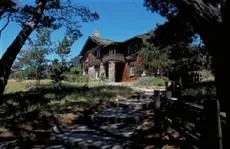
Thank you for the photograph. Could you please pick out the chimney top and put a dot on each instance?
(96, 33)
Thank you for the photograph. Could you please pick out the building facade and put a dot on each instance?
(115, 61)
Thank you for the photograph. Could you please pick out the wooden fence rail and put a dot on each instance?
(187, 118)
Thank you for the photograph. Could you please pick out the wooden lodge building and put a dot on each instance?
(105, 59)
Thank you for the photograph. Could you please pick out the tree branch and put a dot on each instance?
(7, 22)
(12, 51)
(200, 10)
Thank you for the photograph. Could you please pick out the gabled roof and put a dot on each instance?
(142, 36)
(106, 42)
(100, 40)
(97, 40)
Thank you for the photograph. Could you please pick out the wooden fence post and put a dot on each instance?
(211, 133)
(158, 119)
(168, 89)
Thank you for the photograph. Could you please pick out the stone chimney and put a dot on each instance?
(96, 33)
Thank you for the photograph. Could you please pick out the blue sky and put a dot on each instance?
(119, 20)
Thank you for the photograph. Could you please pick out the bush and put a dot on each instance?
(150, 81)
(165, 79)
(57, 70)
(75, 70)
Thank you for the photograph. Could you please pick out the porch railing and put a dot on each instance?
(114, 57)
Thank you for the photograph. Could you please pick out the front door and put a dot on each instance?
(119, 68)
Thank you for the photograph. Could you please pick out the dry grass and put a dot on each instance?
(5, 133)
(170, 147)
(67, 118)
(14, 86)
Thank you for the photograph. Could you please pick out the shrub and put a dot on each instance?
(158, 82)
(165, 78)
(57, 70)
(75, 70)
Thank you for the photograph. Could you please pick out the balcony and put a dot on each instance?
(113, 57)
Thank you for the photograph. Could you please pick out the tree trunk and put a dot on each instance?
(10, 55)
(223, 80)
(158, 117)
(216, 40)
(212, 35)
(211, 21)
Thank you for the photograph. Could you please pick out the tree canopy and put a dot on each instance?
(155, 60)
(54, 14)
(210, 19)
(199, 16)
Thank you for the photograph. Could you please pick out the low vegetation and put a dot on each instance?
(14, 86)
(150, 81)
(35, 109)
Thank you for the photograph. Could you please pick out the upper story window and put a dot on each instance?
(131, 71)
(98, 53)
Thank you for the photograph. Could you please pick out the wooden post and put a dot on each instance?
(168, 89)
(220, 135)
(158, 116)
(211, 134)
(157, 103)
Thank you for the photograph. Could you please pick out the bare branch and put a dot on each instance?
(7, 22)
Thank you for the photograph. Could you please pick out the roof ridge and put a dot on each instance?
(101, 40)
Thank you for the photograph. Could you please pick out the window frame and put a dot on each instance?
(131, 71)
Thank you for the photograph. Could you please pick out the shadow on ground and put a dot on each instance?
(82, 117)
(30, 115)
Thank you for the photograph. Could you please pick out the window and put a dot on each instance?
(131, 71)
(98, 53)
(97, 69)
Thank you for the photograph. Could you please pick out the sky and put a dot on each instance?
(119, 20)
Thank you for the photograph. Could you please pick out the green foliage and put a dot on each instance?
(165, 7)
(75, 70)
(178, 28)
(64, 14)
(165, 78)
(54, 14)
(64, 47)
(139, 69)
(154, 59)
(57, 73)
(189, 59)
(179, 31)
(75, 62)
(150, 81)
(32, 62)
